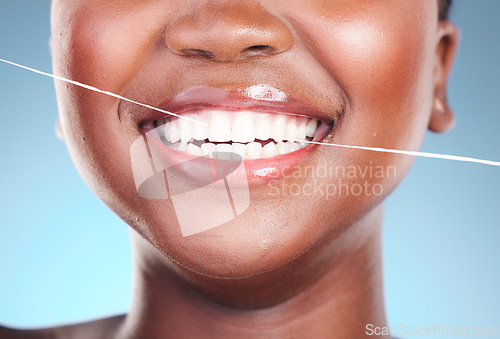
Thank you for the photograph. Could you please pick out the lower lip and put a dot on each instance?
(258, 172)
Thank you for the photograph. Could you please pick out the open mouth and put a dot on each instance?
(263, 131)
(250, 135)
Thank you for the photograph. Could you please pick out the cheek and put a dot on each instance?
(383, 60)
(96, 45)
(105, 46)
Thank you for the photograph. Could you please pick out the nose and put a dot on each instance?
(229, 31)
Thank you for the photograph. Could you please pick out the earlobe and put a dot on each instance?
(442, 118)
(59, 131)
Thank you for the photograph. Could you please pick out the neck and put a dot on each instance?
(333, 291)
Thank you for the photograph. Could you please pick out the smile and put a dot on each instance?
(246, 134)
(270, 131)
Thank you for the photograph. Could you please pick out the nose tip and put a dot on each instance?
(230, 31)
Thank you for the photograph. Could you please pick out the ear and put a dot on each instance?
(59, 131)
(442, 118)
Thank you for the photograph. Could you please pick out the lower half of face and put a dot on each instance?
(239, 182)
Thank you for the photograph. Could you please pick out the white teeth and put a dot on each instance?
(235, 134)
(223, 151)
(311, 127)
(279, 128)
(292, 132)
(185, 130)
(239, 149)
(172, 131)
(194, 150)
(220, 127)
(283, 148)
(293, 146)
(200, 131)
(182, 147)
(302, 129)
(254, 150)
(243, 129)
(166, 130)
(269, 150)
(263, 127)
(208, 150)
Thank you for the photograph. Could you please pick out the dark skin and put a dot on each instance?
(289, 266)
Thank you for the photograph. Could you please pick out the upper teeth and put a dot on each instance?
(240, 128)
(244, 127)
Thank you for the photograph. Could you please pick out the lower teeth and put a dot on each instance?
(253, 150)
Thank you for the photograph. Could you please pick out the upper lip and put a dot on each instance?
(259, 98)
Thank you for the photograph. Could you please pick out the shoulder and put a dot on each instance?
(102, 328)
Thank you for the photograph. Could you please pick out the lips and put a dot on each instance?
(266, 128)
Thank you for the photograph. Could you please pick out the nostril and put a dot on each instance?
(197, 52)
(258, 50)
(228, 31)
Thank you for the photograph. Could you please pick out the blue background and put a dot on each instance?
(65, 257)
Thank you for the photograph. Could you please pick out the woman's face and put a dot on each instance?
(370, 71)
